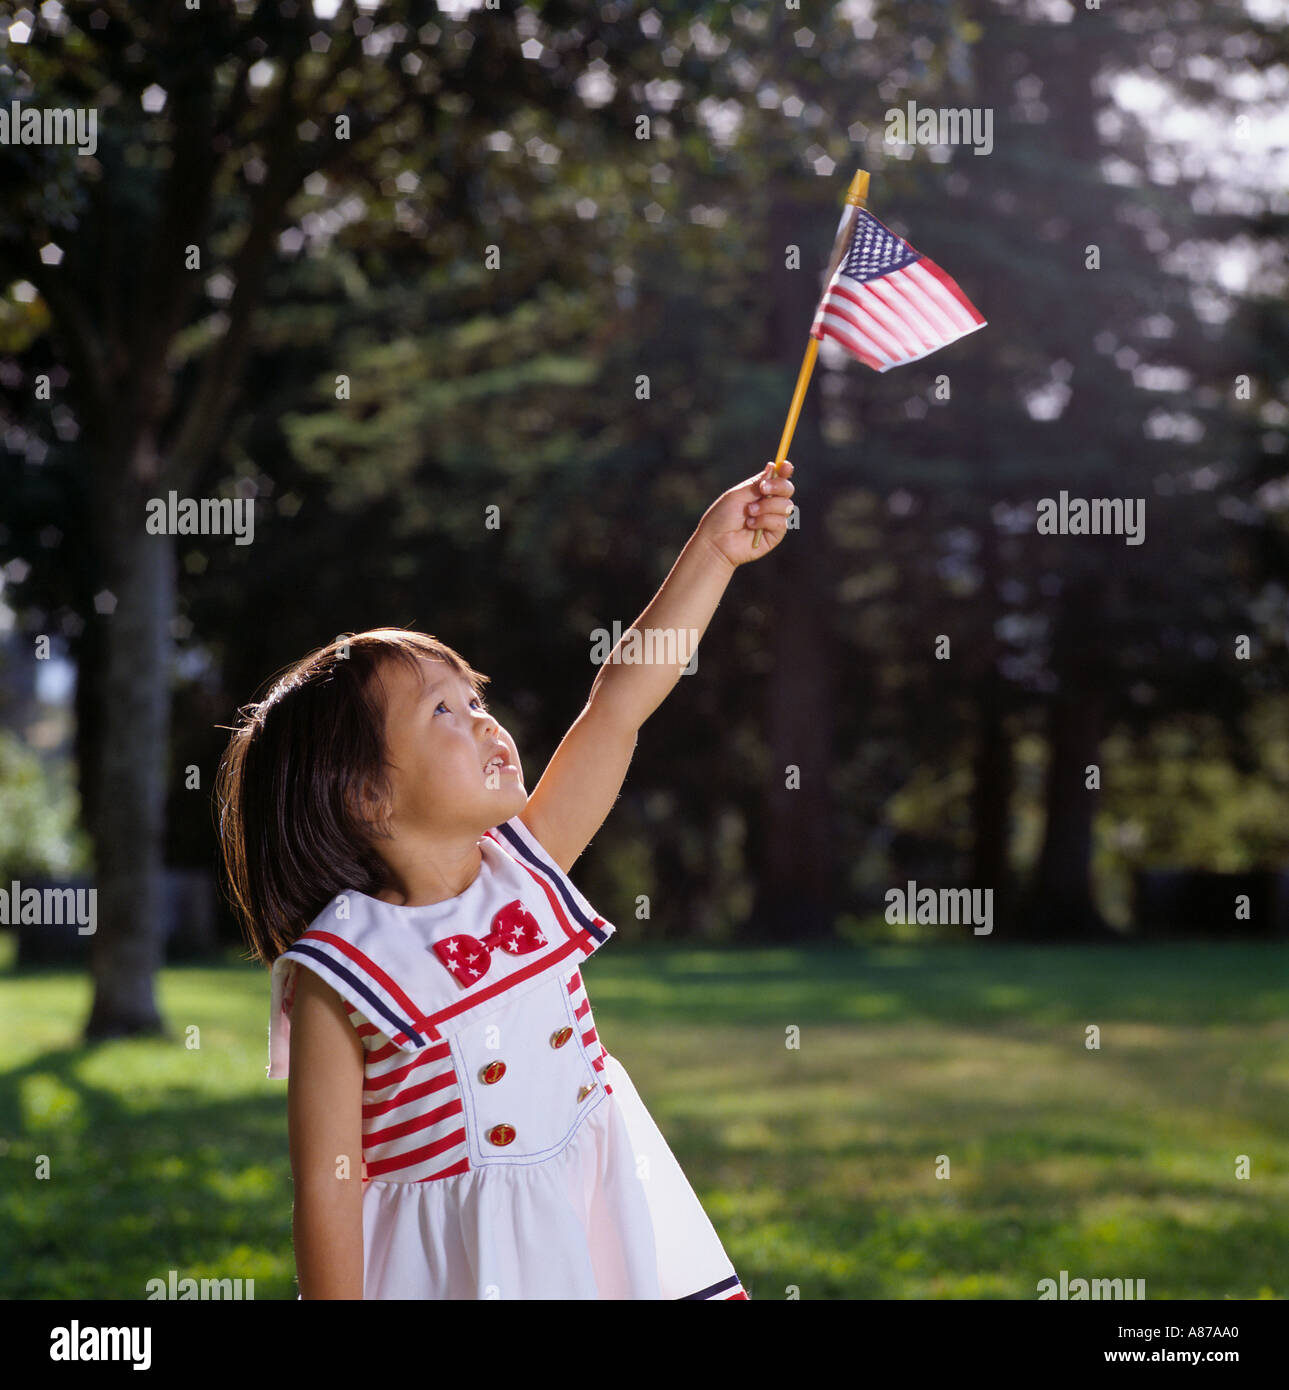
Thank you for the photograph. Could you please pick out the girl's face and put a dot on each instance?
(439, 737)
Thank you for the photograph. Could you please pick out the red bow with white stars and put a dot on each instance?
(514, 929)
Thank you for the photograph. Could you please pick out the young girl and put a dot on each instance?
(457, 1129)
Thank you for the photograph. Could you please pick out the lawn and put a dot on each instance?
(817, 1162)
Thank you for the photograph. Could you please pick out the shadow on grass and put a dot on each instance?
(133, 1191)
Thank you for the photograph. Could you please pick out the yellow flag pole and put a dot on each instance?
(856, 196)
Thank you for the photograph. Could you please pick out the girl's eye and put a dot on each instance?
(476, 701)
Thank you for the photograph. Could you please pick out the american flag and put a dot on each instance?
(888, 304)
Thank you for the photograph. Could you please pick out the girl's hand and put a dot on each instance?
(761, 501)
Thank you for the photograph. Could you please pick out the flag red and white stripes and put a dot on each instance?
(887, 304)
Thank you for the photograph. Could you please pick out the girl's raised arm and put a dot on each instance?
(324, 1119)
(583, 779)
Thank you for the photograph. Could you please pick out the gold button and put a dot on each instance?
(584, 1092)
(501, 1134)
(560, 1038)
(493, 1072)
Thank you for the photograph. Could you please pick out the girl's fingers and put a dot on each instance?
(771, 484)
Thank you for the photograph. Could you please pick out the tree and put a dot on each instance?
(161, 250)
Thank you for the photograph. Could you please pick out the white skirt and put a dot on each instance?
(611, 1216)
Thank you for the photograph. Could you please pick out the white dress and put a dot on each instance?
(506, 1154)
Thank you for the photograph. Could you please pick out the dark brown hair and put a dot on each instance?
(292, 784)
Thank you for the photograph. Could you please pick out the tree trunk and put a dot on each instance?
(131, 769)
(797, 895)
(991, 794)
(1060, 904)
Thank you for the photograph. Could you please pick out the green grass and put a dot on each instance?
(817, 1163)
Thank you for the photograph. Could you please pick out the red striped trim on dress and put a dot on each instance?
(422, 1155)
(375, 973)
(410, 1093)
(384, 1132)
(377, 1081)
(578, 992)
(471, 1000)
(406, 1127)
(584, 939)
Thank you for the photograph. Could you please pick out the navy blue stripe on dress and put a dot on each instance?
(556, 875)
(375, 1002)
(730, 1283)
